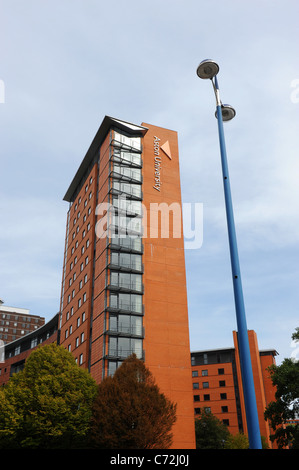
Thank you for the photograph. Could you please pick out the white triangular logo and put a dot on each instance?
(166, 149)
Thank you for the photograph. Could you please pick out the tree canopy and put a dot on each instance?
(48, 403)
(210, 432)
(129, 411)
(285, 378)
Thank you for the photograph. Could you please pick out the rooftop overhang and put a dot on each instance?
(107, 123)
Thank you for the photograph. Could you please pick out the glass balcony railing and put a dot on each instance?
(127, 330)
(124, 353)
(130, 244)
(127, 158)
(128, 189)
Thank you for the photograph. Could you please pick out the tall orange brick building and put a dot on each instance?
(124, 284)
(217, 384)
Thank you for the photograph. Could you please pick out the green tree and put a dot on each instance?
(129, 411)
(237, 441)
(210, 432)
(286, 406)
(47, 404)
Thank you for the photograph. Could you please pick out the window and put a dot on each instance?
(124, 347)
(129, 324)
(126, 280)
(127, 260)
(197, 411)
(221, 383)
(195, 373)
(204, 372)
(196, 398)
(226, 422)
(224, 409)
(223, 396)
(195, 385)
(206, 397)
(81, 359)
(130, 302)
(220, 371)
(205, 385)
(207, 409)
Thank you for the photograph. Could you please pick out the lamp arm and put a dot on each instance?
(216, 91)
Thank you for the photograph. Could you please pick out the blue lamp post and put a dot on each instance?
(209, 69)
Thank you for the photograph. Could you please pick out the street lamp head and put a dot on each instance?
(207, 69)
(227, 111)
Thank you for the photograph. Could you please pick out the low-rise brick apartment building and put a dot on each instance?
(17, 352)
(217, 384)
(17, 322)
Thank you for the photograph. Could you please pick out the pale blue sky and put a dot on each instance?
(66, 64)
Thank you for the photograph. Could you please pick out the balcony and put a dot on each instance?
(126, 244)
(128, 190)
(125, 330)
(120, 354)
(130, 287)
(127, 158)
(129, 175)
(123, 306)
(129, 267)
